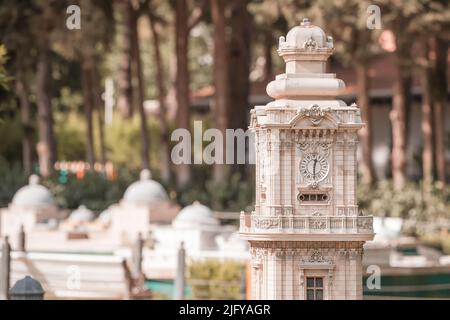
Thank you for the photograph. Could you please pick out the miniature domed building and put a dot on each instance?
(81, 215)
(105, 218)
(33, 195)
(145, 191)
(144, 202)
(195, 215)
(196, 226)
(32, 204)
(203, 236)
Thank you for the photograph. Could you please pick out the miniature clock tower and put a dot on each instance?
(306, 234)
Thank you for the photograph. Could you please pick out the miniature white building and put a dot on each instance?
(31, 205)
(145, 202)
(196, 226)
(306, 236)
(202, 235)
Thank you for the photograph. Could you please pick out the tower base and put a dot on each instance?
(306, 270)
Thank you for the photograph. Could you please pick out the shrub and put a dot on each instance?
(214, 279)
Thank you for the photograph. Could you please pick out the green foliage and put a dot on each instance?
(4, 78)
(233, 194)
(123, 140)
(214, 279)
(71, 137)
(11, 179)
(410, 203)
(11, 133)
(440, 241)
(94, 191)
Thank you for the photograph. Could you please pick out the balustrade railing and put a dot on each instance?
(306, 224)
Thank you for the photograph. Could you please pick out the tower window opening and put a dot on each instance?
(314, 288)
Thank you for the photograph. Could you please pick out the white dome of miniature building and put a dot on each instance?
(82, 214)
(33, 195)
(304, 34)
(105, 217)
(145, 191)
(195, 215)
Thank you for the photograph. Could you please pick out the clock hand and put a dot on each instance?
(314, 169)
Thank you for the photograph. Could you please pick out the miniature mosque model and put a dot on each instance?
(31, 205)
(306, 235)
(144, 202)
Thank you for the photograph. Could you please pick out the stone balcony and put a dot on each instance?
(310, 225)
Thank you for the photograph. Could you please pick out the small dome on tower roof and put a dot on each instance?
(195, 215)
(306, 36)
(33, 195)
(145, 191)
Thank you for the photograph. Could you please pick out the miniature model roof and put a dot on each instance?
(82, 214)
(305, 34)
(33, 195)
(195, 215)
(145, 191)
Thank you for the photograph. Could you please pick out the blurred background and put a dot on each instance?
(87, 106)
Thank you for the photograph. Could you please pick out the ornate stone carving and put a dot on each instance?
(365, 224)
(316, 259)
(315, 113)
(265, 223)
(310, 44)
(317, 224)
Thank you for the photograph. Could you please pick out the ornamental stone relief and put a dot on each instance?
(317, 257)
(315, 113)
(365, 224)
(289, 245)
(317, 224)
(266, 223)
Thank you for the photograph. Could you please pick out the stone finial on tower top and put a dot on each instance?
(305, 22)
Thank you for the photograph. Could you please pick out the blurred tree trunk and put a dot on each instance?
(136, 53)
(220, 74)
(98, 103)
(399, 112)
(239, 84)
(365, 134)
(268, 65)
(440, 101)
(23, 92)
(88, 107)
(182, 80)
(124, 82)
(426, 123)
(46, 147)
(164, 130)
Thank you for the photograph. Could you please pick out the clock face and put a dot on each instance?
(314, 167)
